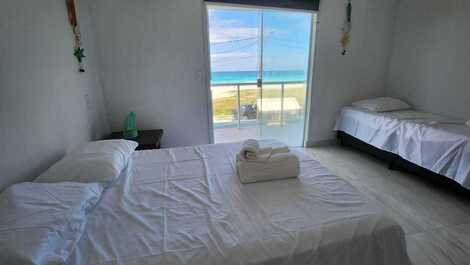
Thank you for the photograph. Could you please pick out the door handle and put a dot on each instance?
(259, 82)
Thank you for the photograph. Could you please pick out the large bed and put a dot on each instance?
(187, 206)
(433, 142)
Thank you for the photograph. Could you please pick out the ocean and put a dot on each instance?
(252, 76)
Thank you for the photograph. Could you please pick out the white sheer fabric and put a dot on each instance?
(41, 223)
(187, 206)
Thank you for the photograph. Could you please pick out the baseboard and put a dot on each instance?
(312, 143)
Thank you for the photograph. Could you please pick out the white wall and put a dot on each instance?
(152, 61)
(43, 112)
(152, 50)
(430, 65)
(340, 80)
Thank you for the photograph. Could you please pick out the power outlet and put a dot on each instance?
(87, 101)
(198, 75)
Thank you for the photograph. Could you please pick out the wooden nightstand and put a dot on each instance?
(147, 139)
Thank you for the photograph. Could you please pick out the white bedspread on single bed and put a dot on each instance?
(187, 206)
(437, 143)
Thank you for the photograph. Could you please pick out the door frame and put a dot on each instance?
(207, 66)
(208, 77)
(311, 75)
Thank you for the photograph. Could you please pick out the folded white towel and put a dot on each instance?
(280, 150)
(251, 151)
(277, 166)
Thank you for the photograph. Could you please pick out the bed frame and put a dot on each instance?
(395, 162)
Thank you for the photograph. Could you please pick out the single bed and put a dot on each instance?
(434, 142)
(187, 206)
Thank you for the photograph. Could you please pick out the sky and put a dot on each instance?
(235, 39)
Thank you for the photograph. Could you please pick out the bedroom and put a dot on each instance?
(150, 57)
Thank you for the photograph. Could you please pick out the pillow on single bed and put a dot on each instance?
(382, 104)
(41, 223)
(100, 161)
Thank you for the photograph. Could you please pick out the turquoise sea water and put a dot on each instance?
(252, 76)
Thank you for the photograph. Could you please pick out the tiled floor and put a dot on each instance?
(436, 219)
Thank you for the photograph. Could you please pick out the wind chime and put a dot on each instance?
(78, 51)
(346, 38)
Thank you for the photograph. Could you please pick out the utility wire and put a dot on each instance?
(237, 48)
(232, 41)
(231, 61)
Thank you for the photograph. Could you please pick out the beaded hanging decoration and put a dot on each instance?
(78, 51)
(346, 37)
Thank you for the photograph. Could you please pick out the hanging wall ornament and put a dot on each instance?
(346, 37)
(78, 51)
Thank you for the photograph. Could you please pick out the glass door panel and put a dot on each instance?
(234, 38)
(284, 67)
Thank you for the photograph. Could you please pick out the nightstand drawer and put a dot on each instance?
(147, 139)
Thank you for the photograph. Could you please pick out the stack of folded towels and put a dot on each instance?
(255, 164)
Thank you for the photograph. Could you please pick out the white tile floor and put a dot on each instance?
(436, 219)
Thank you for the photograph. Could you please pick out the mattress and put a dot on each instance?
(187, 206)
(435, 142)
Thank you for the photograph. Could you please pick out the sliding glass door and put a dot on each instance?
(285, 54)
(259, 73)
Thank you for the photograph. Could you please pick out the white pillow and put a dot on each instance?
(100, 161)
(382, 104)
(41, 223)
(468, 123)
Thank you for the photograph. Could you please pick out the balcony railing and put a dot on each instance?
(269, 104)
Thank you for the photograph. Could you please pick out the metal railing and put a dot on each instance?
(238, 104)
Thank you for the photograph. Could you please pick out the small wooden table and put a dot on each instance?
(147, 139)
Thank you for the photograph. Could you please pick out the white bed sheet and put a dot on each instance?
(187, 206)
(434, 142)
(40, 224)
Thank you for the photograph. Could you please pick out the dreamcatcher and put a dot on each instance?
(78, 51)
(346, 38)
